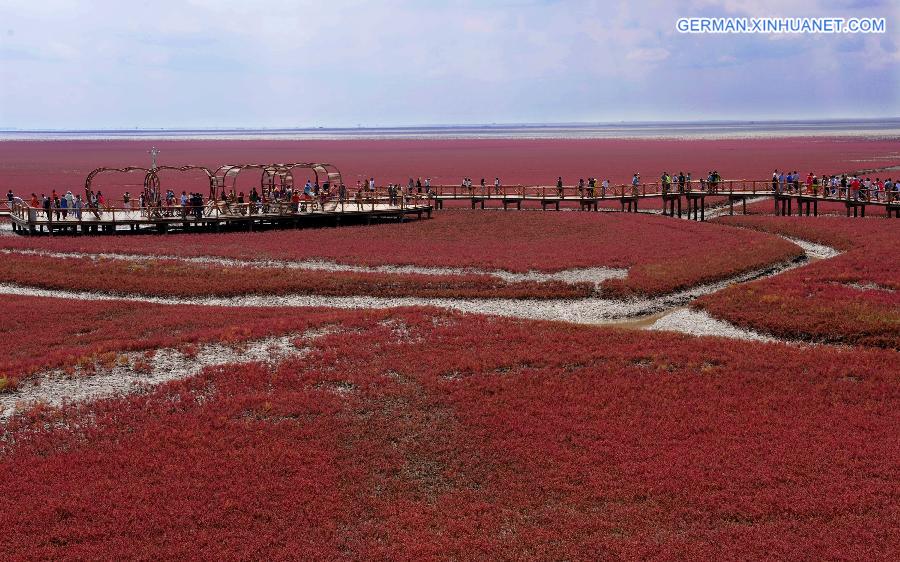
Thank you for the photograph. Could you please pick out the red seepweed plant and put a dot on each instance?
(853, 298)
(421, 434)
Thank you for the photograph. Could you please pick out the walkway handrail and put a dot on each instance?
(722, 187)
(26, 213)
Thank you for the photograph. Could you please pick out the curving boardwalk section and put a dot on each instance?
(674, 200)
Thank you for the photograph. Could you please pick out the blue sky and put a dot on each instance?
(224, 63)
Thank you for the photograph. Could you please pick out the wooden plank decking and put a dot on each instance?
(29, 221)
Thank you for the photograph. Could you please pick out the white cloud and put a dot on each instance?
(655, 54)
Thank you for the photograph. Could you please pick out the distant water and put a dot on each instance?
(873, 128)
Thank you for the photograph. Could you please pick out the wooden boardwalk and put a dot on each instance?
(211, 217)
(673, 201)
(378, 206)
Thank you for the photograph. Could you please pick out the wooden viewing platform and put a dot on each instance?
(215, 217)
(277, 203)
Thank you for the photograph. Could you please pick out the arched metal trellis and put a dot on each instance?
(151, 178)
(272, 176)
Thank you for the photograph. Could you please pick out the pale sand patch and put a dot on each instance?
(813, 250)
(591, 310)
(699, 323)
(55, 388)
(596, 275)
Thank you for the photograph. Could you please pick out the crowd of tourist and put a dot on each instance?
(312, 195)
(845, 186)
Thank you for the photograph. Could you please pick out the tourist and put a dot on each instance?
(482, 187)
(581, 188)
(775, 181)
(559, 187)
(56, 208)
(497, 185)
(372, 184)
(306, 201)
(254, 200)
(428, 186)
(9, 198)
(126, 201)
(63, 207)
(197, 201)
(681, 179)
(79, 204)
(592, 183)
(635, 181)
(359, 198)
(295, 199)
(603, 187)
(45, 203)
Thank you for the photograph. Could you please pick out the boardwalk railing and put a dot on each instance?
(214, 209)
(30, 219)
(739, 187)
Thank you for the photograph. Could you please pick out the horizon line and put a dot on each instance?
(538, 124)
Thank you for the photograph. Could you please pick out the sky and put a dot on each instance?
(277, 63)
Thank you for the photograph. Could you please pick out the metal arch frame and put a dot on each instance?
(90, 177)
(321, 170)
(276, 176)
(223, 173)
(151, 179)
(188, 168)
